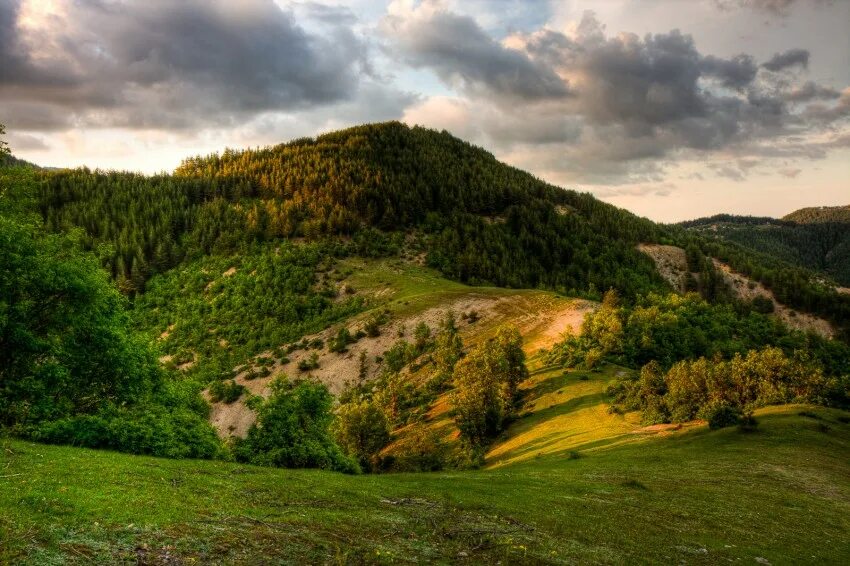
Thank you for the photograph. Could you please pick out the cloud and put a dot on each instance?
(170, 64)
(737, 72)
(463, 55)
(811, 91)
(776, 8)
(790, 172)
(627, 107)
(786, 59)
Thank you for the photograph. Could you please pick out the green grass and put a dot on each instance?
(781, 493)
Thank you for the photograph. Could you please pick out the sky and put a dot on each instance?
(673, 109)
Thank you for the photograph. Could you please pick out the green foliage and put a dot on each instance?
(227, 391)
(371, 182)
(65, 347)
(4, 145)
(151, 429)
(293, 430)
(448, 348)
(723, 389)
(422, 336)
(361, 428)
(309, 363)
(341, 341)
(815, 238)
(789, 276)
(671, 328)
(399, 355)
(71, 370)
(485, 383)
(721, 414)
(762, 305)
(268, 297)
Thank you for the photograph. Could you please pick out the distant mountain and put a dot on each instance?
(815, 238)
(820, 214)
(12, 161)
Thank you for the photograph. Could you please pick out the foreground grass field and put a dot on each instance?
(778, 495)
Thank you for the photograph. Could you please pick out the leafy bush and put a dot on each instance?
(310, 363)
(341, 341)
(361, 428)
(293, 430)
(227, 391)
(150, 429)
(721, 414)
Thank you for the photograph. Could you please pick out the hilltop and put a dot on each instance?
(816, 239)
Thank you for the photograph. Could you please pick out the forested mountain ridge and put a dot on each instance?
(378, 188)
(484, 221)
(815, 238)
(815, 214)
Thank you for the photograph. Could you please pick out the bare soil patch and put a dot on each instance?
(671, 262)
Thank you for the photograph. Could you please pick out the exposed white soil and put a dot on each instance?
(542, 319)
(748, 289)
(671, 262)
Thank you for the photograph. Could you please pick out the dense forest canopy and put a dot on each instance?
(816, 239)
(485, 221)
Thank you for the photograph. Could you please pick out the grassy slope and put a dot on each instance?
(782, 493)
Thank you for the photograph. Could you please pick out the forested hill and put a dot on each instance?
(816, 238)
(819, 214)
(386, 189)
(478, 219)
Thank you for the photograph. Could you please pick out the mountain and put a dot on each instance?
(816, 239)
(820, 214)
(12, 161)
(389, 299)
(484, 221)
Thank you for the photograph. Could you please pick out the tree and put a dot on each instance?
(362, 430)
(4, 145)
(508, 341)
(485, 387)
(448, 348)
(293, 430)
(65, 343)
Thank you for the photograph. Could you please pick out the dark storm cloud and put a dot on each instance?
(737, 72)
(170, 64)
(779, 8)
(462, 54)
(786, 59)
(811, 91)
(633, 102)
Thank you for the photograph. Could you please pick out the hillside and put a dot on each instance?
(610, 496)
(819, 214)
(816, 239)
(388, 301)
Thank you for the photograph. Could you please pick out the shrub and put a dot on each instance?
(417, 453)
(340, 342)
(227, 391)
(310, 363)
(152, 429)
(762, 304)
(721, 414)
(748, 422)
(361, 428)
(293, 430)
